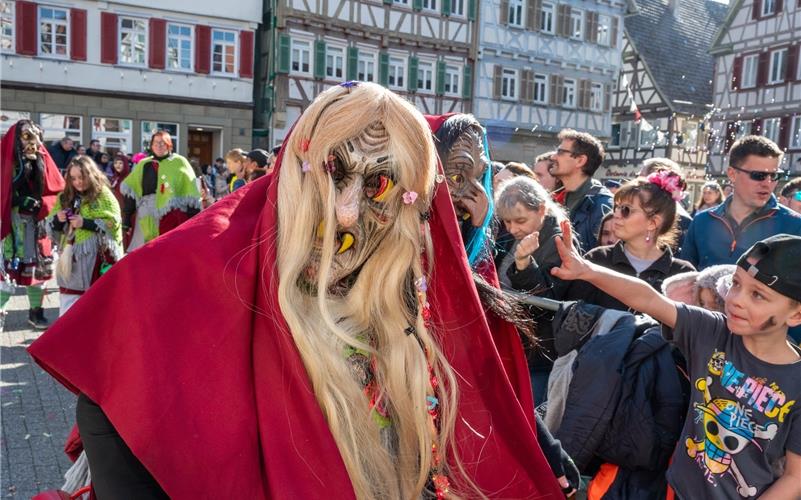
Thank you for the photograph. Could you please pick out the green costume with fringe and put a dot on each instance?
(176, 190)
(105, 212)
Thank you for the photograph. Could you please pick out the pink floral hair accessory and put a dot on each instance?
(305, 167)
(409, 197)
(668, 182)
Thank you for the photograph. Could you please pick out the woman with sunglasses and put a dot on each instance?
(644, 221)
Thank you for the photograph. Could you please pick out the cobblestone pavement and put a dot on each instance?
(36, 412)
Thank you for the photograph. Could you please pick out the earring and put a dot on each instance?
(648, 237)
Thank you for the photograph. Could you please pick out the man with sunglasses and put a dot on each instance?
(720, 235)
(574, 163)
(791, 195)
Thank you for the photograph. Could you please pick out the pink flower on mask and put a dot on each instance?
(409, 197)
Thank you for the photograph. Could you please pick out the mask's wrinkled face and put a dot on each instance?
(364, 178)
(464, 167)
(31, 138)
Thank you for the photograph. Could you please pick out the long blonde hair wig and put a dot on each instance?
(380, 305)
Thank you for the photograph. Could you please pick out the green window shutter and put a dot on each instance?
(417, 5)
(383, 69)
(387, 2)
(411, 82)
(440, 86)
(471, 10)
(467, 81)
(353, 61)
(319, 59)
(446, 7)
(284, 44)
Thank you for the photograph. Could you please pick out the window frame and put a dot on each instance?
(367, 56)
(53, 23)
(767, 13)
(743, 129)
(458, 7)
(547, 9)
(596, 98)
(510, 81)
(782, 66)
(8, 19)
(576, 15)
(330, 49)
(569, 90)
(754, 66)
(52, 133)
(13, 117)
(399, 73)
(606, 38)
(146, 134)
(121, 31)
(103, 135)
(453, 71)
(404, 3)
(226, 43)
(514, 13)
(774, 124)
(540, 79)
(612, 144)
(795, 133)
(426, 66)
(296, 42)
(180, 38)
(430, 5)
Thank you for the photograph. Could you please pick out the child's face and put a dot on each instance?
(608, 234)
(706, 299)
(233, 166)
(754, 309)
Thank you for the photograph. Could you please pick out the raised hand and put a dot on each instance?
(573, 266)
(527, 246)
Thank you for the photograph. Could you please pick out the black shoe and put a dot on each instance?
(37, 318)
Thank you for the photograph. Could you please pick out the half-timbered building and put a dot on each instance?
(421, 49)
(667, 76)
(545, 65)
(757, 85)
(116, 71)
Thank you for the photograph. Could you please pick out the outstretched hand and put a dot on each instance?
(574, 266)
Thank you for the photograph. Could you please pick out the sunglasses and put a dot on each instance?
(626, 210)
(562, 151)
(761, 176)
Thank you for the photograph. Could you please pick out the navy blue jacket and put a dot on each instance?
(711, 240)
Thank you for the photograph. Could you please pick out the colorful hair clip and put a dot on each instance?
(349, 84)
(409, 197)
(304, 144)
(306, 167)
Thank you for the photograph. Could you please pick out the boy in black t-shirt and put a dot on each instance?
(745, 411)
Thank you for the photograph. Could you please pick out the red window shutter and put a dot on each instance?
(757, 9)
(792, 63)
(779, 6)
(784, 132)
(246, 54)
(762, 69)
(737, 72)
(756, 127)
(78, 34)
(158, 43)
(731, 131)
(202, 49)
(108, 38)
(26, 28)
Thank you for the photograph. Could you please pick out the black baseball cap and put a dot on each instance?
(260, 156)
(777, 264)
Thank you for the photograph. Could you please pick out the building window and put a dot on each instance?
(114, 134)
(430, 4)
(397, 72)
(452, 76)
(53, 32)
(56, 127)
(7, 26)
(365, 68)
(179, 47)
(9, 118)
(133, 41)
(795, 133)
(401, 2)
(648, 138)
(596, 97)
(768, 7)
(614, 140)
(334, 62)
(603, 34)
(569, 93)
(576, 24)
(223, 52)
(457, 7)
(770, 128)
(515, 13)
(540, 95)
(749, 74)
(148, 127)
(425, 76)
(300, 57)
(509, 84)
(778, 63)
(743, 129)
(546, 17)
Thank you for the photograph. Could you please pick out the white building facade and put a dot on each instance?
(757, 84)
(116, 71)
(545, 65)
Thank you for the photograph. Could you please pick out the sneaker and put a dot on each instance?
(37, 318)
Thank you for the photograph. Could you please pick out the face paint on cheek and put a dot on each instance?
(768, 324)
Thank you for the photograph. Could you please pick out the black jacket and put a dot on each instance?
(60, 157)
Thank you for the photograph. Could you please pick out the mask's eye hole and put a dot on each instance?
(457, 178)
(338, 172)
(378, 187)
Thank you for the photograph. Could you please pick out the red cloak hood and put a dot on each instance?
(53, 181)
(202, 379)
